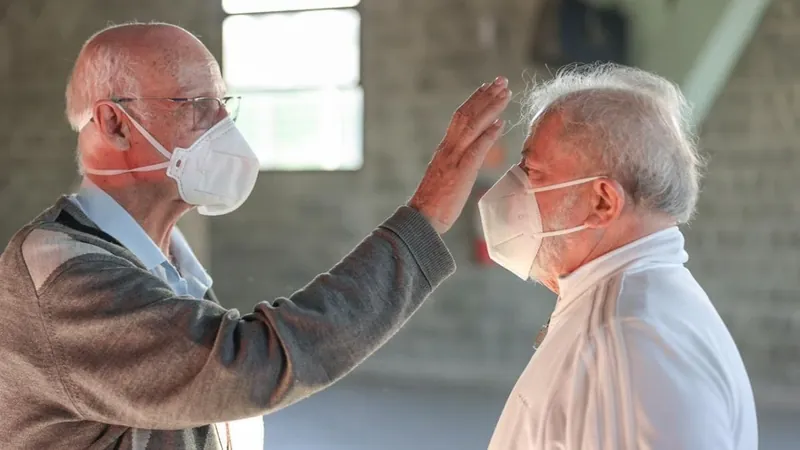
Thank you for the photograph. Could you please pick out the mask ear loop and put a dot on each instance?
(563, 185)
(149, 137)
(533, 191)
(152, 140)
(561, 232)
(109, 172)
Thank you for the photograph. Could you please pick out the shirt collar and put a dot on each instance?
(187, 261)
(112, 218)
(665, 247)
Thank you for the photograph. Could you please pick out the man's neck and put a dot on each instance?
(150, 208)
(629, 232)
(622, 235)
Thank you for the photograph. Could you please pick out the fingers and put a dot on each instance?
(474, 155)
(484, 94)
(475, 115)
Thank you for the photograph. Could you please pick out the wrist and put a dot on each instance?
(438, 226)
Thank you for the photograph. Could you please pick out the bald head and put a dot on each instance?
(140, 60)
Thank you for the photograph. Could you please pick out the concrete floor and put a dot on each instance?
(369, 416)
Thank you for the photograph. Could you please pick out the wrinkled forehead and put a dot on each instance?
(170, 62)
(165, 60)
(183, 77)
(547, 147)
(201, 79)
(543, 138)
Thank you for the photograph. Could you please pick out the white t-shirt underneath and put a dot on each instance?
(635, 357)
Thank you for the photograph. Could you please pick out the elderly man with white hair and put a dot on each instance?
(634, 355)
(110, 334)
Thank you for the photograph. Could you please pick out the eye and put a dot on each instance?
(534, 173)
(205, 110)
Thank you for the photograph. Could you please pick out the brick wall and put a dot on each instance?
(420, 59)
(745, 244)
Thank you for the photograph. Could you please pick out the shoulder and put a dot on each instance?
(648, 360)
(75, 278)
(46, 250)
(654, 312)
(629, 365)
(629, 340)
(657, 292)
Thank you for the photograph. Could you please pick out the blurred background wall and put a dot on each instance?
(418, 60)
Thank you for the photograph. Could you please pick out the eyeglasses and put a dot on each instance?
(205, 110)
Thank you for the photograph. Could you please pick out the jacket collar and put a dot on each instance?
(665, 247)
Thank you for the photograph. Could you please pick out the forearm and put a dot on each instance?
(344, 315)
(198, 363)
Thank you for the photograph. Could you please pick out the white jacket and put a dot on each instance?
(636, 357)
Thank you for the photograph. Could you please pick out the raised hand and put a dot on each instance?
(451, 174)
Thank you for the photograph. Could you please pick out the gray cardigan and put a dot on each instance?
(98, 353)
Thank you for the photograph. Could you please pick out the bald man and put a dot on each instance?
(111, 336)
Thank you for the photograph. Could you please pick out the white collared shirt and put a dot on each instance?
(635, 357)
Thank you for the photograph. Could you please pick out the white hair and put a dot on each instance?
(101, 72)
(108, 68)
(632, 125)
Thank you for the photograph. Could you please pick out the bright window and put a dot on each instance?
(298, 70)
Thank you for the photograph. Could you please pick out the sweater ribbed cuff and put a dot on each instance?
(425, 244)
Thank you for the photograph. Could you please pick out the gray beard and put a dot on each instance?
(550, 253)
(555, 247)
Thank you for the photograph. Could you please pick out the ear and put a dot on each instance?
(112, 125)
(608, 201)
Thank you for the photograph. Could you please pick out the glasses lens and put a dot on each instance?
(206, 111)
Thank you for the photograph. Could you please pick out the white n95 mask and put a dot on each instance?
(216, 173)
(512, 222)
